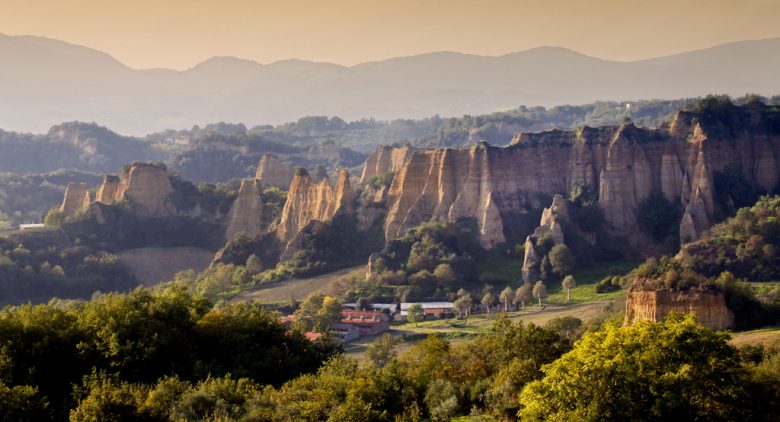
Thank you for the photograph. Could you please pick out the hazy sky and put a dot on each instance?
(180, 33)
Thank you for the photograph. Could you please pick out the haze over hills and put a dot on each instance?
(44, 82)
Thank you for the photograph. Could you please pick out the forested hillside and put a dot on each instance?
(167, 356)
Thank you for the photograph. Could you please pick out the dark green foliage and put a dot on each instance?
(72, 145)
(433, 259)
(610, 284)
(124, 229)
(238, 250)
(644, 372)
(731, 187)
(748, 311)
(236, 157)
(27, 198)
(744, 245)
(22, 404)
(713, 108)
(649, 371)
(382, 180)
(36, 266)
(562, 261)
(459, 131)
(246, 341)
(139, 338)
(658, 217)
(337, 243)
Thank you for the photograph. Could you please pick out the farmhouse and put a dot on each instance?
(368, 322)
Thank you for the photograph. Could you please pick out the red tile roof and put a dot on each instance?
(312, 336)
(349, 313)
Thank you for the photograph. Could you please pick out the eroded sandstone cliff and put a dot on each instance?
(308, 201)
(386, 159)
(107, 191)
(625, 164)
(274, 172)
(76, 199)
(145, 187)
(246, 213)
(654, 305)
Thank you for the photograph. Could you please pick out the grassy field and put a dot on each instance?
(532, 314)
(153, 265)
(456, 330)
(297, 288)
(586, 279)
(499, 269)
(764, 287)
(769, 337)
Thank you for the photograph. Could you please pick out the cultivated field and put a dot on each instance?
(297, 288)
(153, 265)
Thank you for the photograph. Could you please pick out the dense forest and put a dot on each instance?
(167, 355)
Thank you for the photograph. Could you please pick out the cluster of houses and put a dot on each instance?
(375, 319)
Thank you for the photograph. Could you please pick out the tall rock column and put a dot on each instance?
(108, 190)
(246, 213)
(274, 172)
(308, 201)
(76, 199)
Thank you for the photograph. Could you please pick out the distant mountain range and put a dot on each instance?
(45, 81)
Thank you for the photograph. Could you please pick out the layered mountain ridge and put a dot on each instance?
(90, 85)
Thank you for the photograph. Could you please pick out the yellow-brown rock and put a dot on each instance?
(385, 159)
(246, 213)
(76, 199)
(146, 188)
(308, 201)
(274, 172)
(625, 164)
(552, 218)
(654, 305)
(107, 191)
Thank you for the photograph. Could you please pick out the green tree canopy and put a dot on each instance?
(674, 370)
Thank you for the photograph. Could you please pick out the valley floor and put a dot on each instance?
(458, 330)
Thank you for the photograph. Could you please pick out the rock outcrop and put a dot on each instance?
(385, 159)
(76, 199)
(274, 172)
(246, 213)
(654, 305)
(146, 188)
(107, 191)
(309, 201)
(551, 225)
(624, 164)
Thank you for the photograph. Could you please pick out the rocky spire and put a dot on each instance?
(76, 199)
(274, 172)
(246, 213)
(308, 201)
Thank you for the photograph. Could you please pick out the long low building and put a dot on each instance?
(390, 307)
(430, 309)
